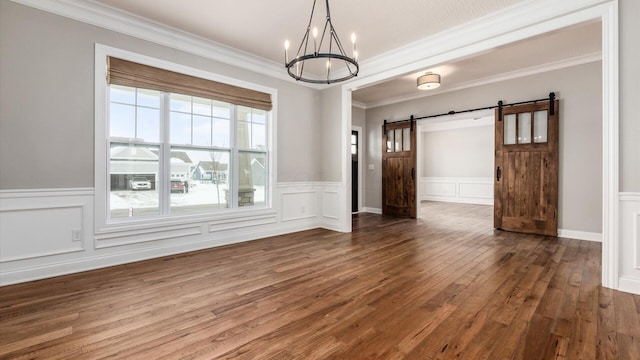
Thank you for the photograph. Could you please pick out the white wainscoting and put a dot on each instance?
(629, 276)
(44, 223)
(333, 199)
(298, 201)
(50, 232)
(466, 190)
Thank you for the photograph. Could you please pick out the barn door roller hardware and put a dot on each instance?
(500, 106)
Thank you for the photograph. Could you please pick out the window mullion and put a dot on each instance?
(107, 152)
(135, 114)
(165, 159)
(234, 171)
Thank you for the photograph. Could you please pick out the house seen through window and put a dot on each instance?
(172, 153)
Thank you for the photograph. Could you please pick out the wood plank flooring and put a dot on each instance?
(443, 287)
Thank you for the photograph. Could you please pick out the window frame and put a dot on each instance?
(102, 221)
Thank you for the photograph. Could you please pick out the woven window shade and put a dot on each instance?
(127, 73)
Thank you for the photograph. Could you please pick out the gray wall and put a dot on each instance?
(358, 117)
(331, 154)
(47, 94)
(629, 11)
(579, 89)
(465, 152)
(49, 59)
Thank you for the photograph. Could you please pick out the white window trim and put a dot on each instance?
(102, 226)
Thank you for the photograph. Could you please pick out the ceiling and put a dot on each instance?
(260, 27)
(565, 47)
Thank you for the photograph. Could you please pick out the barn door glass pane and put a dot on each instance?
(406, 139)
(398, 140)
(510, 129)
(540, 126)
(389, 140)
(524, 128)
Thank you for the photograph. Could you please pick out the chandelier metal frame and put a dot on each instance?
(295, 67)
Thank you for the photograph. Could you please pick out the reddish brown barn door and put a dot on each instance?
(526, 169)
(399, 170)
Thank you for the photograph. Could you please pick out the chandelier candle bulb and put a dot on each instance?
(353, 43)
(286, 52)
(315, 36)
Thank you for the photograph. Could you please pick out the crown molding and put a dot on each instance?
(358, 104)
(113, 19)
(475, 33)
(522, 20)
(425, 50)
(533, 70)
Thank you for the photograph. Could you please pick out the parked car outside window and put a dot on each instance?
(179, 186)
(139, 183)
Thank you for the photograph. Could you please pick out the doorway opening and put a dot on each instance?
(354, 171)
(356, 149)
(549, 21)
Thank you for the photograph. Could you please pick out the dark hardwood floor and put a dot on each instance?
(445, 286)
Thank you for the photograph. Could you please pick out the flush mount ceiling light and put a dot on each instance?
(428, 81)
(331, 52)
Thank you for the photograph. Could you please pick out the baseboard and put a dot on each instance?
(629, 285)
(580, 235)
(473, 201)
(372, 210)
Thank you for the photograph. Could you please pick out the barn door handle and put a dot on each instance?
(413, 173)
(498, 173)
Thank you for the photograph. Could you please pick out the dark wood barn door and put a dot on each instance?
(399, 170)
(526, 175)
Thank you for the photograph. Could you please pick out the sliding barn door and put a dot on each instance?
(526, 174)
(399, 170)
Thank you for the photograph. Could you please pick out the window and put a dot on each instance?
(198, 147)
(176, 150)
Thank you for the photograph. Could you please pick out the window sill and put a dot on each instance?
(160, 228)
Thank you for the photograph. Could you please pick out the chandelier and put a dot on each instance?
(328, 49)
